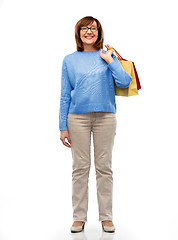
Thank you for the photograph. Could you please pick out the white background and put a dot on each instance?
(35, 167)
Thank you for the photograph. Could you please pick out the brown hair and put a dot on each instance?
(84, 22)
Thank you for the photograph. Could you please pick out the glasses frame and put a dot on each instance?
(88, 29)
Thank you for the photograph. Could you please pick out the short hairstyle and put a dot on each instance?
(84, 22)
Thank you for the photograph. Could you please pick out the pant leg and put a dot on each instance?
(79, 127)
(104, 131)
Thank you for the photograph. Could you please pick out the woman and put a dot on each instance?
(87, 105)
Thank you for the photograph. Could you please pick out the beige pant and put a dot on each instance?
(103, 127)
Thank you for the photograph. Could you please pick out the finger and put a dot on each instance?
(66, 144)
(69, 140)
(63, 141)
(109, 46)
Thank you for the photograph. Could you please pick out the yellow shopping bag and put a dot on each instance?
(134, 86)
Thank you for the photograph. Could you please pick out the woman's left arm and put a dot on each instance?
(121, 77)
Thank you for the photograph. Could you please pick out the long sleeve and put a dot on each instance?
(121, 77)
(65, 97)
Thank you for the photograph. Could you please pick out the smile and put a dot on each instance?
(89, 37)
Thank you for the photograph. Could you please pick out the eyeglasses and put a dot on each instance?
(85, 29)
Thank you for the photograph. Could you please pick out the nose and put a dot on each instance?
(89, 29)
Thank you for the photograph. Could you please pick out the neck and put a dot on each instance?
(88, 48)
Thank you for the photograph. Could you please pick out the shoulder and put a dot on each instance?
(69, 57)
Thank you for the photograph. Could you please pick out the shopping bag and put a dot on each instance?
(130, 68)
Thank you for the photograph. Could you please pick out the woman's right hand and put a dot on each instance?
(65, 134)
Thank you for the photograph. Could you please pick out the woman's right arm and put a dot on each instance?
(65, 100)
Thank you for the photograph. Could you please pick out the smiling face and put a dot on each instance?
(89, 38)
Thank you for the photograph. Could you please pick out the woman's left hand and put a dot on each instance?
(107, 56)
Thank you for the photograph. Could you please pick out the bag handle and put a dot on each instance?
(118, 55)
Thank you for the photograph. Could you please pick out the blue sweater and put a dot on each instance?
(87, 84)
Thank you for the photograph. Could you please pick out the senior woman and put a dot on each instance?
(87, 106)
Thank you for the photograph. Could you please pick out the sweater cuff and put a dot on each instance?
(63, 129)
(63, 126)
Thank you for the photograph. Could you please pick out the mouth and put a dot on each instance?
(89, 37)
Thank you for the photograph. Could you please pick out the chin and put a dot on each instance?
(89, 43)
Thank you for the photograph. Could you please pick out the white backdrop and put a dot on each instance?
(35, 168)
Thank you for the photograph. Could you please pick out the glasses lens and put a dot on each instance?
(93, 29)
(84, 29)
